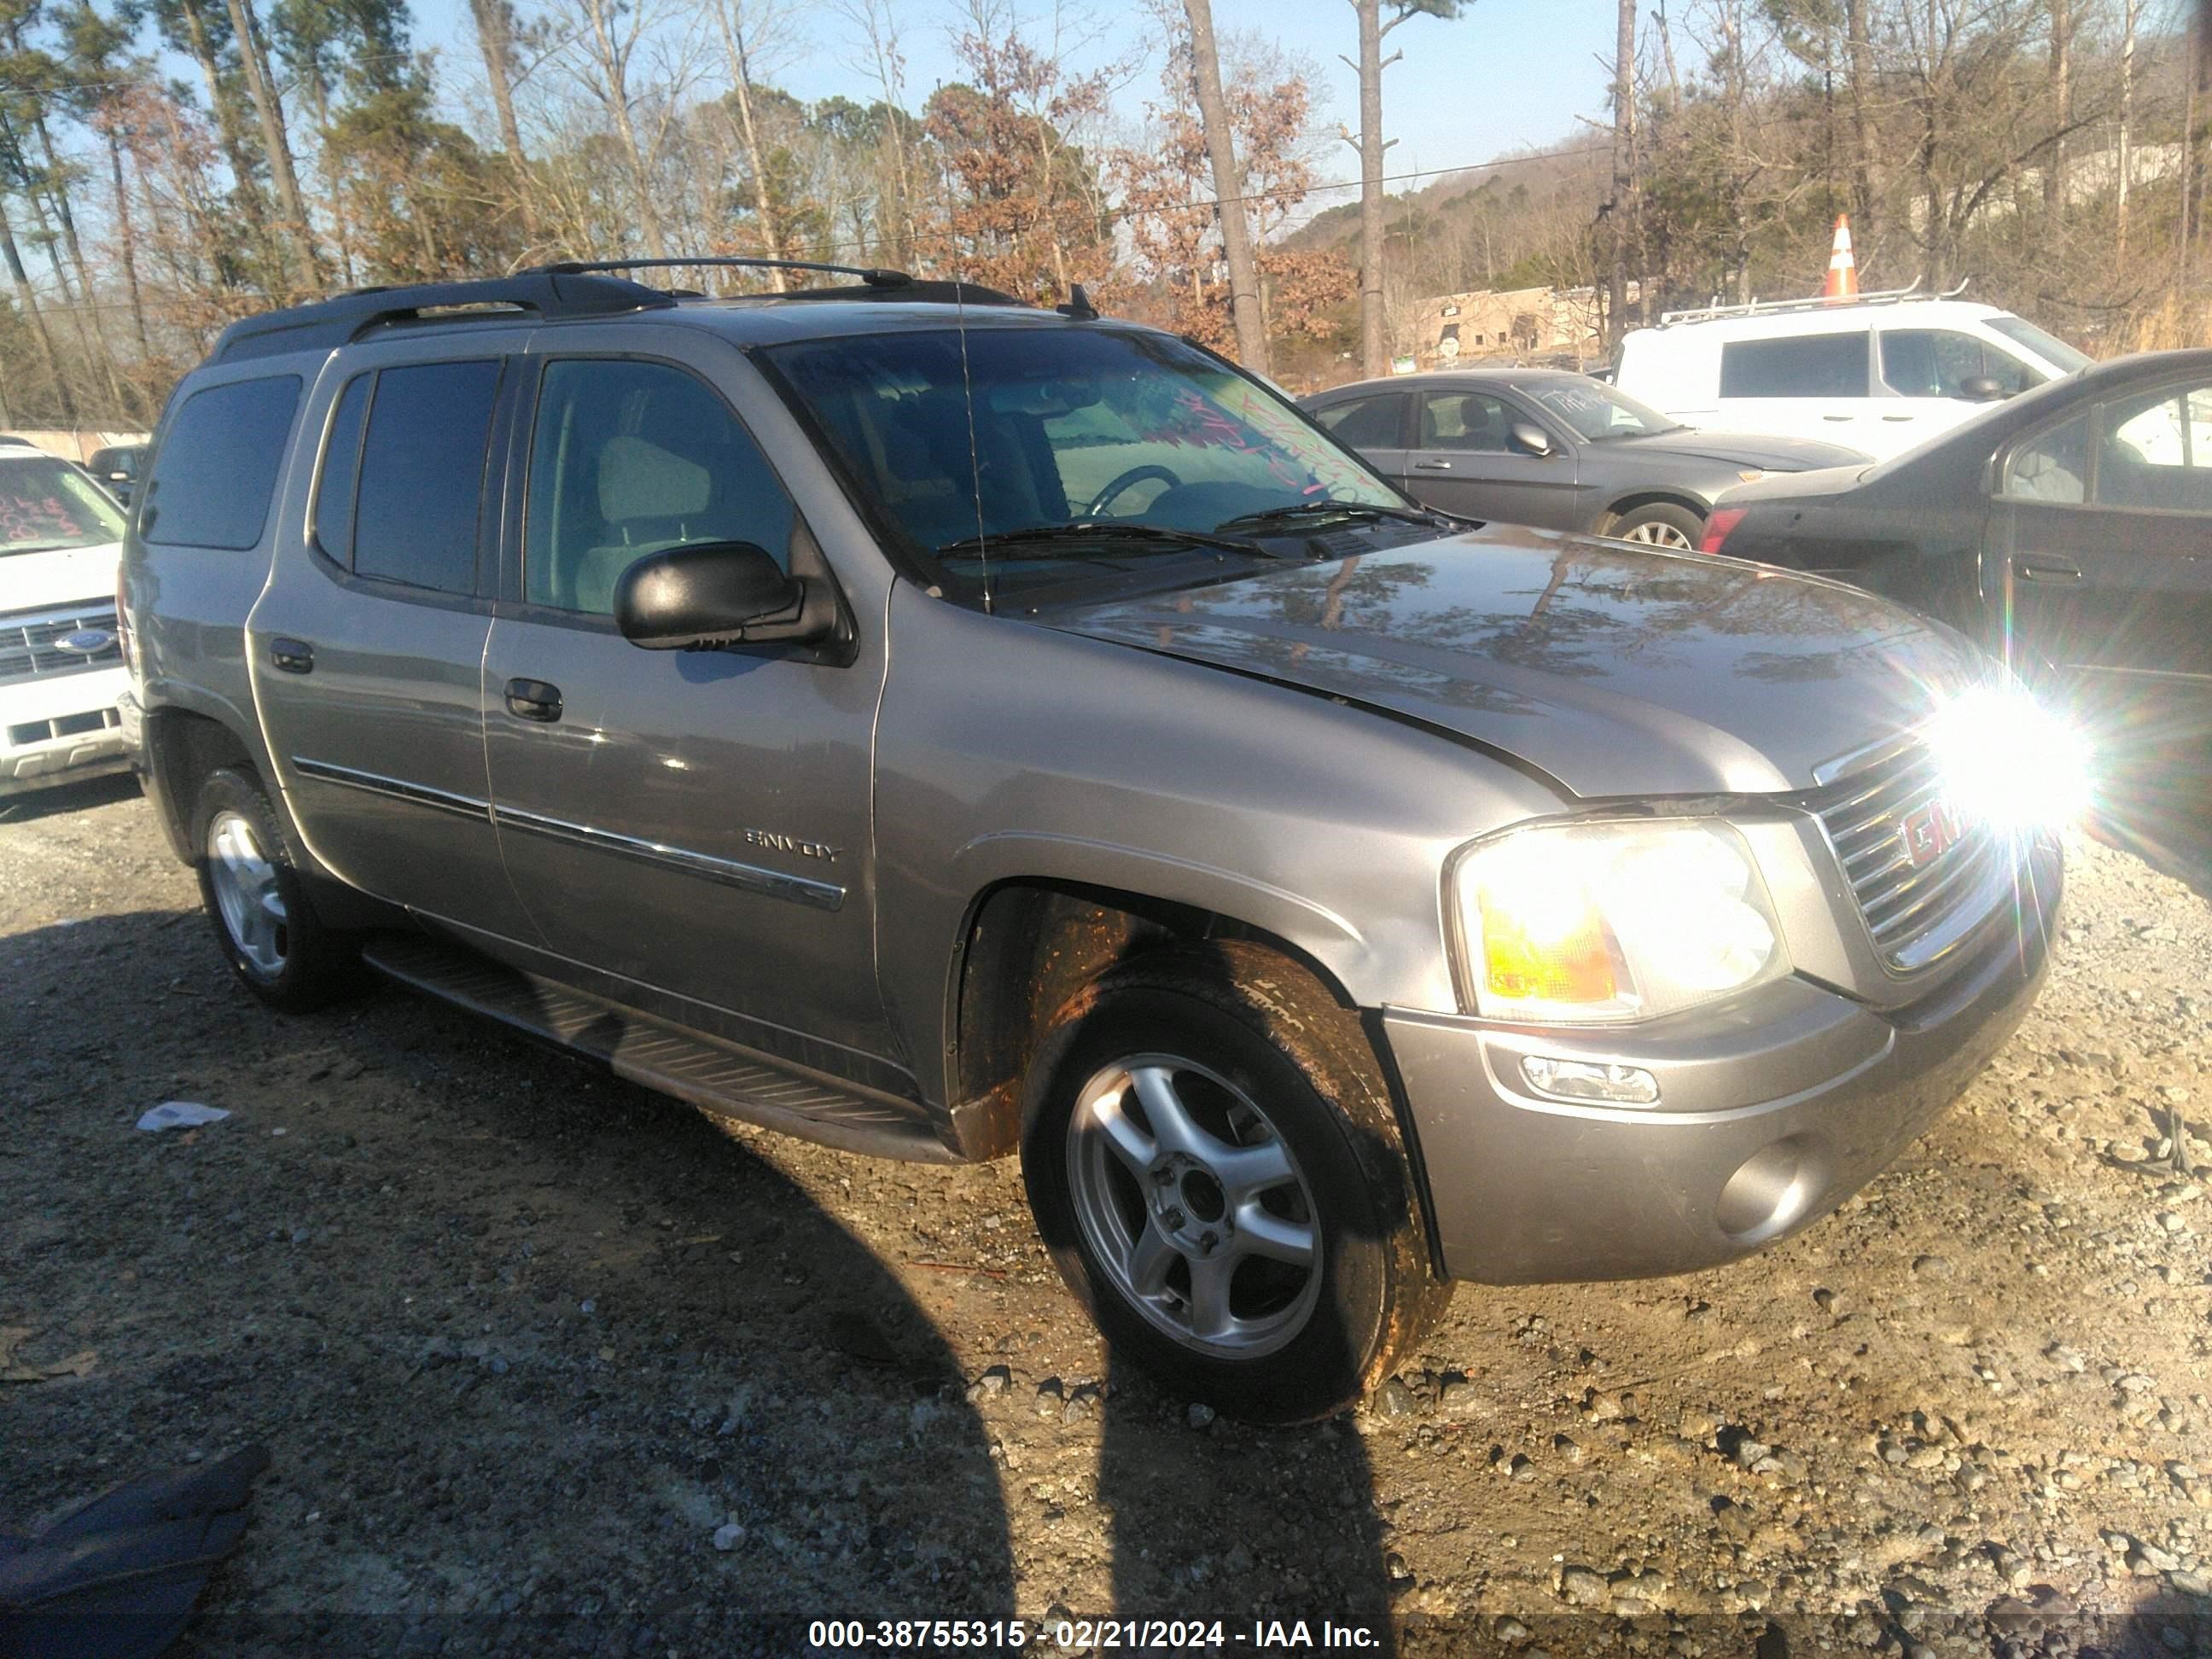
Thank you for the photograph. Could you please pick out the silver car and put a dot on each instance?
(943, 729)
(1556, 450)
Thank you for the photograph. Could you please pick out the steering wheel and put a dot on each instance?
(1135, 475)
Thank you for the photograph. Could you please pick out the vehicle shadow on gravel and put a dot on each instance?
(547, 1363)
(64, 798)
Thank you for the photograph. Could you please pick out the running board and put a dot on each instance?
(719, 1079)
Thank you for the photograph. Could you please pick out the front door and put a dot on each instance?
(368, 646)
(1463, 460)
(2103, 533)
(693, 822)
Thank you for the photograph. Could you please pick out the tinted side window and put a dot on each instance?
(1803, 366)
(1462, 420)
(630, 459)
(1938, 363)
(1366, 423)
(2054, 466)
(216, 472)
(334, 489)
(421, 492)
(2157, 451)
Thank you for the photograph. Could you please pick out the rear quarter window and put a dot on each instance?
(216, 473)
(1797, 365)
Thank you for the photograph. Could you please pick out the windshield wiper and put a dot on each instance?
(1096, 530)
(1329, 506)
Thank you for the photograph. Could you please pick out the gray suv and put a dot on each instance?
(940, 728)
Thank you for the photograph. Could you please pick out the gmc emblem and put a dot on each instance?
(1930, 831)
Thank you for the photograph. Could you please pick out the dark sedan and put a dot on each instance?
(1555, 449)
(2069, 529)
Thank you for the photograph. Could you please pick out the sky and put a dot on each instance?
(1505, 76)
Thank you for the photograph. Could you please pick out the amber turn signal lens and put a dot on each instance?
(1562, 957)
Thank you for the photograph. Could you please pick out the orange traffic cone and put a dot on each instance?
(1843, 281)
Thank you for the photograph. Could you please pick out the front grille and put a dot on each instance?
(30, 642)
(1888, 803)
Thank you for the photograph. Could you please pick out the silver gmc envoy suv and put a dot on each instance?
(941, 728)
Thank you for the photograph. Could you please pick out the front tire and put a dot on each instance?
(1660, 523)
(1212, 1159)
(264, 922)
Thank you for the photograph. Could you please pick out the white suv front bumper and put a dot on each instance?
(59, 729)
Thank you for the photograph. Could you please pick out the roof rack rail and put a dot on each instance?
(876, 282)
(1911, 291)
(331, 323)
(873, 275)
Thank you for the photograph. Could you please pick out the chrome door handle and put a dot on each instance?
(292, 656)
(2050, 573)
(1431, 466)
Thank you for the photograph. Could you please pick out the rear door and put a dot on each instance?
(2103, 531)
(367, 645)
(1803, 385)
(1375, 425)
(1462, 460)
(696, 823)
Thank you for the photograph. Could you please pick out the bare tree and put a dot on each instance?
(613, 34)
(1228, 188)
(270, 108)
(1373, 29)
(741, 28)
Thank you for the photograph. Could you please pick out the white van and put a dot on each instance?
(61, 651)
(1880, 373)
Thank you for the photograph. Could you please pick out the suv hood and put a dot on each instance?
(67, 576)
(1617, 671)
(1770, 455)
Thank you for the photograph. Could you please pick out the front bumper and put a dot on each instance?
(1773, 1110)
(60, 730)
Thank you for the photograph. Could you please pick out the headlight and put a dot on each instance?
(1612, 921)
(2009, 762)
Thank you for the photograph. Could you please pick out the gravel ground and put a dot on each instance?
(549, 1364)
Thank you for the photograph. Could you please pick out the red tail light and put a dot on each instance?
(1718, 526)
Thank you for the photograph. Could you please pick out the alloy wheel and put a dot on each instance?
(1657, 532)
(1192, 1203)
(246, 894)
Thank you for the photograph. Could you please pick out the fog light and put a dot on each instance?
(1590, 1079)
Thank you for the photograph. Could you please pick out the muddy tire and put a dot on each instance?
(264, 922)
(1212, 1159)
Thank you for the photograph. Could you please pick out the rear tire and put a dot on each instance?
(1660, 523)
(1212, 1159)
(264, 924)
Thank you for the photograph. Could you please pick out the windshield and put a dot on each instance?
(46, 504)
(1596, 410)
(2049, 347)
(961, 441)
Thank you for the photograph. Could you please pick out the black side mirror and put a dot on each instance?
(1981, 389)
(716, 594)
(1530, 439)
